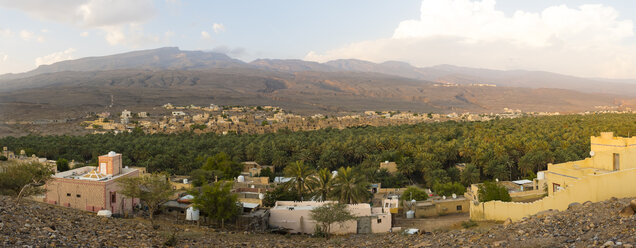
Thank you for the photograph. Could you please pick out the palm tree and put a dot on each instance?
(350, 187)
(302, 176)
(321, 186)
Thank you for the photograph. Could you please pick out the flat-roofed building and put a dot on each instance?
(93, 188)
(608, 172)
(389, 166)
(296, 216)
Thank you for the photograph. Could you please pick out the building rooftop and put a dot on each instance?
(90, 173)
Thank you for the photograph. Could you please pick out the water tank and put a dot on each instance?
(185, 181)
(240, 179)
(105, 213)
(454, 196)
(410, 214)
(112, 154)
(192, 214)
(540, 175)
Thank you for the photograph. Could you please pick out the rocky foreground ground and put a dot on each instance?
(33, 224)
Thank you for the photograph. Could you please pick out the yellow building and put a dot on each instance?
(607, 154)
(608, 172)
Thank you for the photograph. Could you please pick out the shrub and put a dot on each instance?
(414, 193)
(491, 191)
(469, 224)
(449, 188)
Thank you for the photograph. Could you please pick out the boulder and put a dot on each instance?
(574, 205)
(632, 203)
(627, 211)
(507, 222)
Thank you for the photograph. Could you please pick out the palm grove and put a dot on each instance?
(425, 153)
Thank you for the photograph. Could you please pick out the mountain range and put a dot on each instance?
(150, 78)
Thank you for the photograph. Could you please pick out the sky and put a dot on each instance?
(577, 37)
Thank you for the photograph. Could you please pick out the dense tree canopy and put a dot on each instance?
(426, 153)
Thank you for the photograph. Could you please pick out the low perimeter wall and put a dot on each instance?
(594, 188)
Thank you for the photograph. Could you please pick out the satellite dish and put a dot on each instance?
(591, 153)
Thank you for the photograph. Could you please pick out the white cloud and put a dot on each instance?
(114, 17)
(100, 13)
(55, 57)
(3, 57)
(168, 34)
(87, 13)
(590, 40)
(130, 35)
(26, 35)
(218, 27)
(84, 34)
(6, 33)
(205, 35)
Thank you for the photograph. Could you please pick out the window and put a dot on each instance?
(78, 195)
(556, 187)
(68, 194)
(616, 161)
(379, 221)
(113, 197)
(459, 207)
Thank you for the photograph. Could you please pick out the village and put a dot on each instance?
(96, 189)
(268, 119)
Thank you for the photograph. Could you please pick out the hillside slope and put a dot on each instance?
(73, 93)
(42, 225)
(150, 78)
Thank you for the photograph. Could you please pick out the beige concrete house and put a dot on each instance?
(252, 169)
(92, 188)
(438, 207)
(296, 216)
(390, 166)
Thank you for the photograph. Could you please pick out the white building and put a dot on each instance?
(297, 217)
(126, 114)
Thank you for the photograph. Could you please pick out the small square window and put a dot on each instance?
(379, 221)
(68, 194)
(459, 207)
(78, 195)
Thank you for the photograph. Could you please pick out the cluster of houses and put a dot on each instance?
(608, 172)
(267, 119)
(22, 158)
(94, 188)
